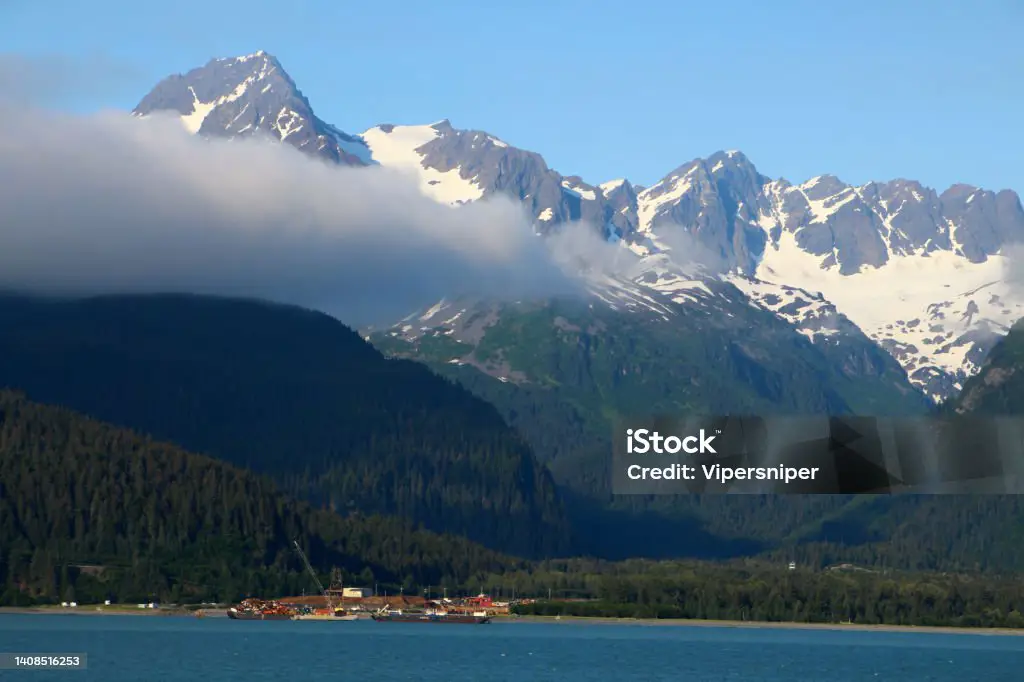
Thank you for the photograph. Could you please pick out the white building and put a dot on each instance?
(357, 592)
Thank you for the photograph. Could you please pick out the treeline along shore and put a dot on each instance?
(762, 592)
(90, 512)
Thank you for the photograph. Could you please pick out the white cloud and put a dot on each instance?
(111, 203)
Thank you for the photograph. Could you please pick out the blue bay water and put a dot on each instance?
(133, 649)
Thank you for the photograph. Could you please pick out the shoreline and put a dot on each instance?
(564, 620)
(761, 625)
(91, 611)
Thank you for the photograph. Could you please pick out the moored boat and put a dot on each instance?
(328, 616)
(389, 616)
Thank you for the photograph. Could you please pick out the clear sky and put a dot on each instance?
(872, 90)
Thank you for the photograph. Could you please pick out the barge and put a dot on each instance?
(236, 614)
(388, 616)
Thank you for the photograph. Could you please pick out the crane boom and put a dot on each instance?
(327, 597)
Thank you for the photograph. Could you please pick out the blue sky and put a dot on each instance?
(929, 90)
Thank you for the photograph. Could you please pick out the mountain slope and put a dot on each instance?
(290, 393)
(643, 351)
(562, 371)
(570, 429)
(921, 274)
(89, 512)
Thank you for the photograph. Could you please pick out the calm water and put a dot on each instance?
(125, 648)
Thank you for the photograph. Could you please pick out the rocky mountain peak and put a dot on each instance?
(250, 95)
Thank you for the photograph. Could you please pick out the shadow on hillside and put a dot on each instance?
(615, 534)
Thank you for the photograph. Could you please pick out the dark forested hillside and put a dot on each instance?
(290, 393)
(299, 397)
(89, 511)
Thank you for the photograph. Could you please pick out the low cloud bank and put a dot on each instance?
(112, 203)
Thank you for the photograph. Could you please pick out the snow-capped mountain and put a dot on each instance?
(919, 273)
(250, 95)
(923, 274)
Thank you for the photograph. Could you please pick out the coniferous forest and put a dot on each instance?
(292, 394)
(90, 512)
(405, 480)
(773, 593)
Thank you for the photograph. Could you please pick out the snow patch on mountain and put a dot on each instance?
(200, 110)
(353, 145)
(811, 314)
(608, 187)
(821, 209)
(651, 201)
(928, 310)
(399, 147)
(579, 189)
(685, 284)
(621, 294)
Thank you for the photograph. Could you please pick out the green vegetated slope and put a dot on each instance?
(952, 532)
(576, 369)
(293, 394)
(89, 511)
